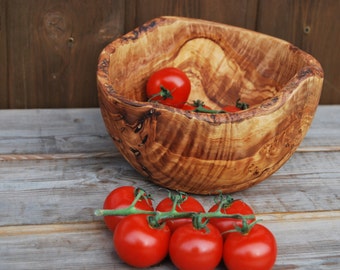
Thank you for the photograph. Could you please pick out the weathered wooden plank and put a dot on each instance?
(307, 243)
(83, 131)
(3, 55)
(63, 47)
(235, 12)
(239, 13)
(309, 25)
(53, 131)
(300, 185)
(59, 190)
(57, 156)
(325, 128)
(303, 243)
(68, 190)
(62, 41)
(48, 195)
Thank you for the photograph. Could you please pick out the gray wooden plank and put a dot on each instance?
(82, 130)
(325, 128)
(311, 244)
(65, 246)
(68, 190)
(52, 179)
(53, 131)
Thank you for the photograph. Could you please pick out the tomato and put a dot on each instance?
(122, 197)
(256, 250)
(138, 244)
(169, 86)
(196, 249)
(235, 207)
(189, 107)
(231, 108)
(186, 204)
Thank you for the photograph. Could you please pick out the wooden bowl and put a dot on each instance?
(198, 152)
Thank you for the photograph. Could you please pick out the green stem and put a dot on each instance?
(241, 105)
(164, 93)
(245, 228)
(157, 217)
(132, 210)
(205, 110)
(198, 223)
(139, 193)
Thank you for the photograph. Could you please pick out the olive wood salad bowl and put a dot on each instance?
(208, 153)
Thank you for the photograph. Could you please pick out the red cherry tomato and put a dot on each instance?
(256, 250)
(231, 108)
(122, 197)
(198, 249)
(187, 204)
(169, 86)
(226, 224)
(138, 244)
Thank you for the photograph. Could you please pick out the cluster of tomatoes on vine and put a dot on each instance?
(171, 86)
(178, 227)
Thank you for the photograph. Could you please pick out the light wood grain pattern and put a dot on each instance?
(208, 153)
(48, 194)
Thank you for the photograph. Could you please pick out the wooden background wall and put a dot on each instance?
(49, 48)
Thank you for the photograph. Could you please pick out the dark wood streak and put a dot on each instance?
(135, 34)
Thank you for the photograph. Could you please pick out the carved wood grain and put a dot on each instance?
(208, 153)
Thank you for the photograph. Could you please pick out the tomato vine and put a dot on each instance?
(145, 235)
(158, 216)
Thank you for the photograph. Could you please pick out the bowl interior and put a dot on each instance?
(223, 62)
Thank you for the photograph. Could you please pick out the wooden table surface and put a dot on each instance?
(57, 166)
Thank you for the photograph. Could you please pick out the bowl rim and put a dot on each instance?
(104, 84)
